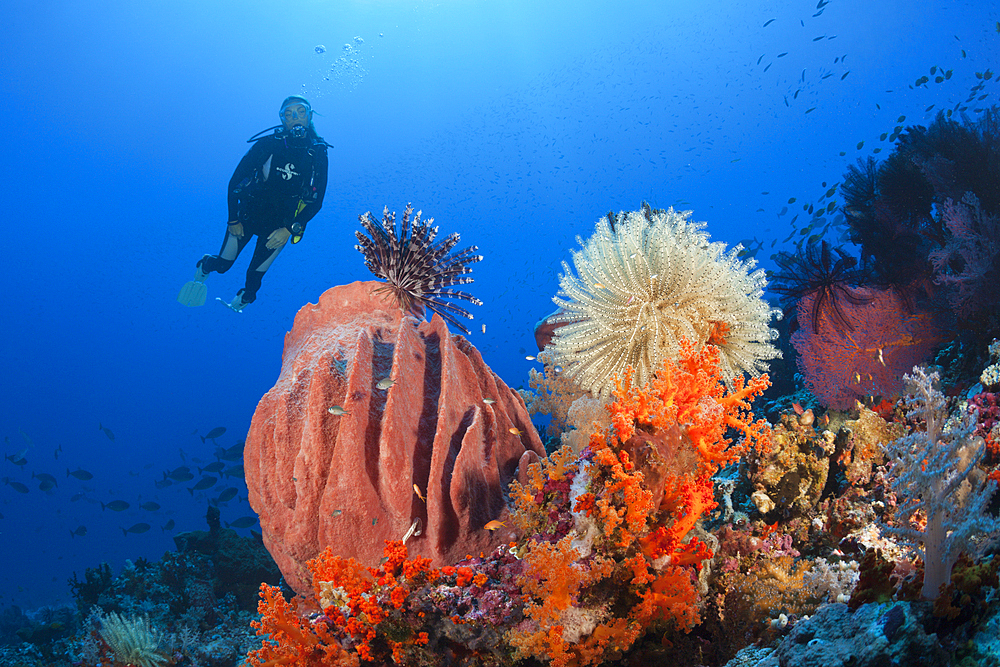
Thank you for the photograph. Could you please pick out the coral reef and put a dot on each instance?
(644, 281)
(606, 549)
(902, 634)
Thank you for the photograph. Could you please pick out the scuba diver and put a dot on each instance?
(275, 191)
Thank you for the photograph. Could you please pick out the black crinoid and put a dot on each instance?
(419, 272)
(817, 272)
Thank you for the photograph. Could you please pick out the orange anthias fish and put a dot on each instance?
(416, 490)
(494, 525)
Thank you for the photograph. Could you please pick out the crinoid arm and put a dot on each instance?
(419, 272)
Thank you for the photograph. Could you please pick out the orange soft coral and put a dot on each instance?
(554, 576)
(292, 640)
(647, 482)
(691, 393)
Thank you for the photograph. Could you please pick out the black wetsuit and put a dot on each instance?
(279, 182)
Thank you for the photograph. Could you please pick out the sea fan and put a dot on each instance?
(419, 272)
(646, 283)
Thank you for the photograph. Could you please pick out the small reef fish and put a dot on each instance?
(234, 453)
(515, 431)
(168, 525)
(384, 383)
(530, 357)
(216, 432)
(18, 459)
(107, 431)
(416, 490)
(336, 512)
(337, 410)
(243, 522)
(45, 477)
(116, 506)
(137, 528)
(489, 401)
(80, 531)
(80, 474)
(203, 483)
(182, 474)
(494, 525)
(484, 328)
(17, 486)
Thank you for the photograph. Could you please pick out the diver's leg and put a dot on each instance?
(232, 246)
(259, 264)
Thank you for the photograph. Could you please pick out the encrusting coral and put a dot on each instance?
(644, 281)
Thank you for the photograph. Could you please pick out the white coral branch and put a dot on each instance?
(935, 474)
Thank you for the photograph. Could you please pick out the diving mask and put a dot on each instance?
(295, 114)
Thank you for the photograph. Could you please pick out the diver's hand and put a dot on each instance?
(278, 238)
(236, 228)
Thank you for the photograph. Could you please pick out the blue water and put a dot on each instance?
(516, 123)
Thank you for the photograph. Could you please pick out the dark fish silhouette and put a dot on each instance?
(116, 505)
(203, 483)
(17, 486)
(215, 466)
(227, 495)
(137, 528)
(45, 477)
(234, 453)
(214, 433)
(181, 474)
(80, 474)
